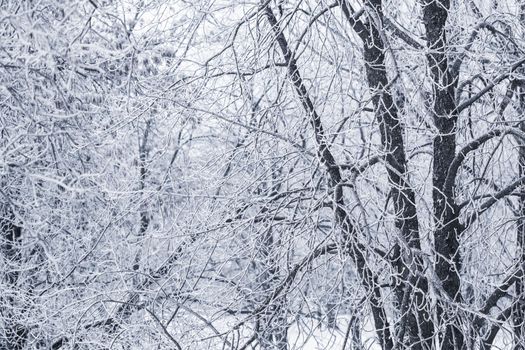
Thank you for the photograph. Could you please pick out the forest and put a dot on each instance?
(262, 175)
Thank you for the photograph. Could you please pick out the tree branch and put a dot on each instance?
(495, 198)
(472, 146)
(489, 87)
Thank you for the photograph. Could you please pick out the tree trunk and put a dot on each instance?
(273, 323)
(446, 212)
(411, 287)
(326, 158)
(518, 312)
(15, 334)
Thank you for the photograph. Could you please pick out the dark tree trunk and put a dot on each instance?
(15, 334)
(411, 288)
(446, 212)
(273, 323)
(518, 312)
(519, 308)
(326, 158)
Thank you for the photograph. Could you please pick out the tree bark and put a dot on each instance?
(446, 212)
(518, 310)
(348, 231)
(411, 282)
(15, 334)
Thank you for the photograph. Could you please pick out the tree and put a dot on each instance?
(263, 175)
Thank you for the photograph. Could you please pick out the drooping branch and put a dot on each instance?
(501, 291)
(472, 146)
(490, 86)
(495, 198)
(473, 36)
